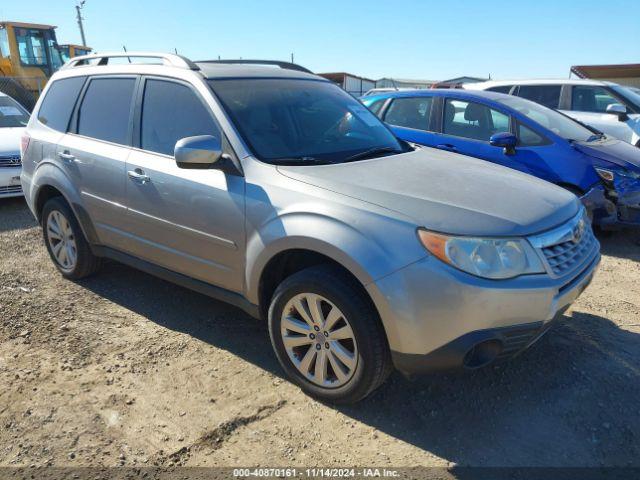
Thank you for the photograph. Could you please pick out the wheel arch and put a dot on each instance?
(292, 242)
(49, 182)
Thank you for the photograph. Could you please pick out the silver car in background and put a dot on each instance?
(274, 190)
(13, 120)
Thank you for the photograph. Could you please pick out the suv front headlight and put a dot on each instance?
(494, 258)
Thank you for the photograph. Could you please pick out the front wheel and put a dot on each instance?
(328, 336)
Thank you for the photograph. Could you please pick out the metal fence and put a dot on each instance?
(24, 90)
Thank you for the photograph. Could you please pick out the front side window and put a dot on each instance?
(529, 138)
(472, 120)
(303, 121)
(410, 112)
(547, 95)
(558, 123)
(105, 110)
(591, 99)
(59, 101)
(171, 112)
(12, 114)
(32, 46)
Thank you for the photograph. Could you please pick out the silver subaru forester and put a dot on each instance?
(271, 188)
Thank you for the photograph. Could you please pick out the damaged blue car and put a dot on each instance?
(526, 136)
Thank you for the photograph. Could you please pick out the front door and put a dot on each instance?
(468, 126)
(190, 221)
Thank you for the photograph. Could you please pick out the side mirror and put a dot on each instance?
(619, 110)
(505, 140)
(198, 152)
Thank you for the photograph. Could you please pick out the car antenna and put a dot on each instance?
(394, 84)
(124, 47)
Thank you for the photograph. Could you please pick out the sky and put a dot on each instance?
(426, 39)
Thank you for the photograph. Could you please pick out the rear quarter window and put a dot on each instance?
(57, 106)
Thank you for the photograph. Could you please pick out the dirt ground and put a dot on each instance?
(126, 369)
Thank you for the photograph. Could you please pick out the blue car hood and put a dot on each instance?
(612, 150)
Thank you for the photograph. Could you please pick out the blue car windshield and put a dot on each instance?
(556, 122)
(293, 121)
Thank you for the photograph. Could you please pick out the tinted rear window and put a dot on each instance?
(106, 106)
(547, 95)
(58, 104)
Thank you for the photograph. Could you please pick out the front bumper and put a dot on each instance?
(434, 314)
(10, 182)
(616, 205)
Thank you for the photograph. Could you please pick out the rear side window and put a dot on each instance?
(547, 95)
(501, 89)
(410, 112)
(105, 110)
(376, 106)
(58, 104)
(171, 112)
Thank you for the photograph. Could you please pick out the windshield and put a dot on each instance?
(303, 121)
(12, 114)
(630, 93)
(558, 123)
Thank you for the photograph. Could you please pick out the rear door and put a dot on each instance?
(95, 150)
(190, 221)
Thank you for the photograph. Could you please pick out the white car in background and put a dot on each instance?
(606, 106)
(13, 119)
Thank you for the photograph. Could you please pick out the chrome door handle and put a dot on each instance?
(139, 176)
(66, 156)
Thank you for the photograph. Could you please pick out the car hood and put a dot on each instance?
(613, 151)
(10, 140)
(447, 192)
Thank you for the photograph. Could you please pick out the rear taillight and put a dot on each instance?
(24, 144)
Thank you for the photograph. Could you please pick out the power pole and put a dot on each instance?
(79, 7)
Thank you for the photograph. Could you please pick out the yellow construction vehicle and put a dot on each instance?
(29, 55)
(70, 50)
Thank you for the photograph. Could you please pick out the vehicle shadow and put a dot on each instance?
(568, 401)
(15, 215)
(622, 244)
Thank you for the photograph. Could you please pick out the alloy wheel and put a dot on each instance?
(61, 240)
(319, 340)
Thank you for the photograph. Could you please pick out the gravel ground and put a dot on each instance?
(126, 369)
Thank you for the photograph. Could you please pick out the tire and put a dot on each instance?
(64, 238)
(368, 360)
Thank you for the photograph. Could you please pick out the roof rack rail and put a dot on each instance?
(277, 63)
(103, 59)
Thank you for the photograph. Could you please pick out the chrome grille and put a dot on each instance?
(7, 161)
(567, 247)
(10, 189)
(564, 257)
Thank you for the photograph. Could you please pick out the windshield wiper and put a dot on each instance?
(300, 161)
(596, 136)
(371, 153)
